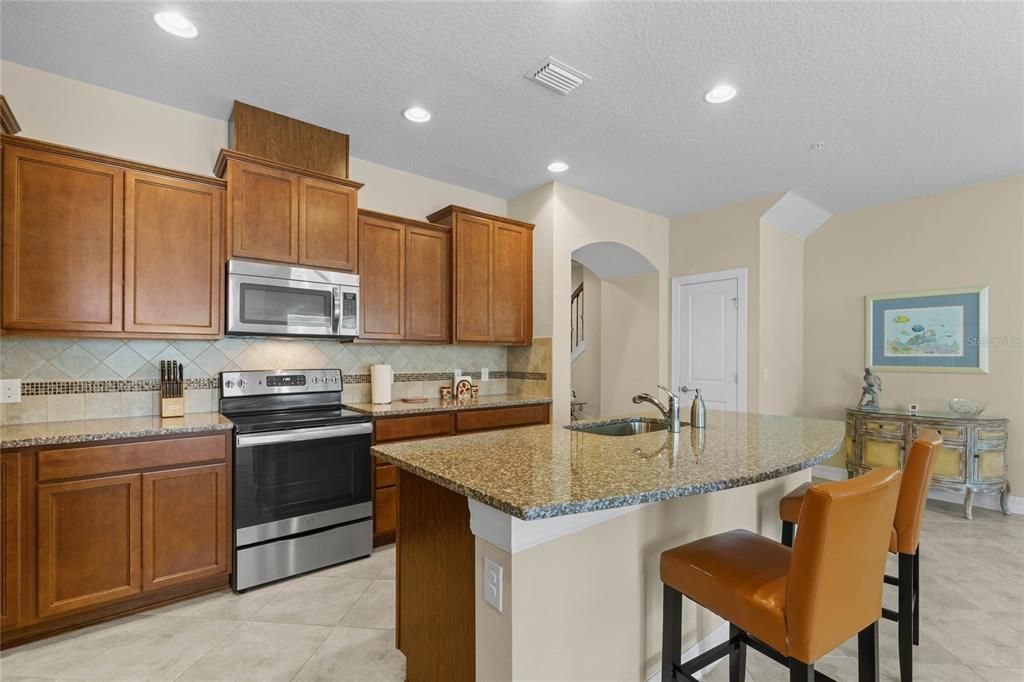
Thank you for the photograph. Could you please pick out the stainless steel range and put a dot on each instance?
(302, 474)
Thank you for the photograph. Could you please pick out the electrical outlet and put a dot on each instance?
(458, 374)
(10, 390)
(492, 583)
(485, 374)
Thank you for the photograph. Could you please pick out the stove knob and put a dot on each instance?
(229, 383)
(316, 380)
(335, 379)
(241, 383)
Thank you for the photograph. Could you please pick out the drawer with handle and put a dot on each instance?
(880, 426)
(949, 433)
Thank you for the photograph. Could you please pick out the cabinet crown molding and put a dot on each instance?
(452, 208)
(225, 155)
(125, 164)
(390, 217)
(8, 123)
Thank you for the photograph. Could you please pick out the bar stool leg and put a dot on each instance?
(906, 616)
(787, 533)
(917, 596)
(867, 654)
(800, 671)
(671, 633)
(737, 657)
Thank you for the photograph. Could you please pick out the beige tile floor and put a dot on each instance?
(338, 624)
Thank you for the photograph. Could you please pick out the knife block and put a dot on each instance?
(172, 407)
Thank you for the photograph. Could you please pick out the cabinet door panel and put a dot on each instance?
(173, 263)
(89, 544)
(382, 278)
(991, 465)
(11, 527)
(327, 225)
(473, 280)
(62, 242)
(185, 525)
(511, 284)
(264, 216)
(427, 271)
(881, 452)
(385, 510)
(951, 463)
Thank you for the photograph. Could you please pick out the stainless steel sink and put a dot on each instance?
(626, 427)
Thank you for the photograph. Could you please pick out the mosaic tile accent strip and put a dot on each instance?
(105, 386)
(30, 388)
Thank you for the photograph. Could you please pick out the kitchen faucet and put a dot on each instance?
(670, 413)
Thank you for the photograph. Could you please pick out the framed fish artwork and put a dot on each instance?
(929, 331)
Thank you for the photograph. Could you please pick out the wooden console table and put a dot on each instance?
(972, 458)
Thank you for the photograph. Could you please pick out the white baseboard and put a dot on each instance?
(981, 500)
(717, 636)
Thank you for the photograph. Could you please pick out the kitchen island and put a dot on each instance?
(576, 522)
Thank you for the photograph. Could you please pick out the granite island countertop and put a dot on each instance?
(547, 471)
(117, 428)
(397, 407)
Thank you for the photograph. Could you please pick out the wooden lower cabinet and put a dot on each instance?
(89, 542)
(89, 534)
(184, 525)
(433, 425)
(12, 528)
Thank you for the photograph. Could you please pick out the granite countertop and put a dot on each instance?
(397, 407)
(546, 471)
(86, 430)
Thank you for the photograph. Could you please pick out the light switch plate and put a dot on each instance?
(458, 374)
(10, 390)
(485, 374)
(492, 583)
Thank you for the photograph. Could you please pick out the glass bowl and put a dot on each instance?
(966, 407)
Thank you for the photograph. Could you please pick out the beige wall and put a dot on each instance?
(586, 369)
(781, 318)
(538, 207)
(630, 353)
(77, 114)
(969, 236)
(724, 239)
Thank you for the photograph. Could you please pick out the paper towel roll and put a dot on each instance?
(380, 384)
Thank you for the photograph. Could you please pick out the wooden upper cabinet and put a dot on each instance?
(173, 230)
(512, 279)
(404, 272)
(62, 242)
(184, 525)
(12, 525)
(427, 289)
(382, 278)
(89, 542)
(474, 246)
(492, 292)
(328, 225)
(285, 214)
(263, 215)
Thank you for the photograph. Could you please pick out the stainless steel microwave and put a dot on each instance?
(281, 300)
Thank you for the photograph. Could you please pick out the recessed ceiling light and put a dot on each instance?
(416, 114)
(175, 24)
(558, 166)
(720, 93)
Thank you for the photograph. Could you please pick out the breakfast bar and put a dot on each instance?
(532, 553)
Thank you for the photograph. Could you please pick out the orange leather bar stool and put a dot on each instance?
(793, 605)
(904, 541)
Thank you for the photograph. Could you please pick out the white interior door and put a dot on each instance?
(709, 322)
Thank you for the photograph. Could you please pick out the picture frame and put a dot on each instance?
(927, 331)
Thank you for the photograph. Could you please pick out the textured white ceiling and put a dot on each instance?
(909, 98)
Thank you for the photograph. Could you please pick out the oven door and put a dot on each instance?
(266, 305)
(289, 482)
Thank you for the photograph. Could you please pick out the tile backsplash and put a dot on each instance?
(70, 378)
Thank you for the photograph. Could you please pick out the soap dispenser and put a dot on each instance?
(698, 413)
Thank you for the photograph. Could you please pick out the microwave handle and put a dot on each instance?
(336, 305)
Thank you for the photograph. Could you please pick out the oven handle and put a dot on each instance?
(336, 309)
(296, 435)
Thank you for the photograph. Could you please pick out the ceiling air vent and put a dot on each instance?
(558, 76)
